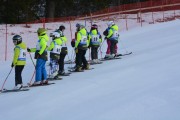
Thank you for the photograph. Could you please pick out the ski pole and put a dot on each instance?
(32, 76)
(101, 47)
(89, 54)
(34, 68)
(32, 59)
(73, 55)
(6, 79)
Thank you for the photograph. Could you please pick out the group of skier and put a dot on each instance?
(58, 51)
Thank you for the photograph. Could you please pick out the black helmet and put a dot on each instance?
(17, 39)
(94, 26)
(61, 27)
(78, 25)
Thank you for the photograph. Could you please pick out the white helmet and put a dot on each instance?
(110, 23)
(55, 35)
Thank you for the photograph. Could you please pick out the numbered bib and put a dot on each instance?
(95, 39)
(83, 40)
(22, 55)
(56, 49)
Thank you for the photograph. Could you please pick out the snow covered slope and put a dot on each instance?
(142, 86)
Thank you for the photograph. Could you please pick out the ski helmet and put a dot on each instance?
(78, 25)
(41, 31)
(110, 23)
(81, 26)
(55, 35)
(94, 26)
(17, 39)
(62, 27)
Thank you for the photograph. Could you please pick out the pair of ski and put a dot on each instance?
(125, 54)
(58, 77)
(95, 63)
(72, 69)
(72, 62)
(13, 90)
(116, 57)
(24, 88)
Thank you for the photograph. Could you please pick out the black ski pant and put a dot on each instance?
(18, 71)
(61, 62)
(113, 47)
(94, 52)
(80, 58)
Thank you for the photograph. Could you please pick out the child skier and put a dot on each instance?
(19, 60)
(64, 51)
(54, 48)
(41, 56)
(95, 41)
(112, 37)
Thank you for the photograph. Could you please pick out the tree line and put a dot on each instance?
(19, 11)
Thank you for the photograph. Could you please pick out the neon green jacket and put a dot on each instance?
(43, 43)
(79, 37)
(17, 54)
(94, 32)
(64, 40)
(110, 32)
(57, 40)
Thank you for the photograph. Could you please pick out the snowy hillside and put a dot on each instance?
(141, 86)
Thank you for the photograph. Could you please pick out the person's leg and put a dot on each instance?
(116, 48)
(93, 53)
(108, 46)
(43, 68)
(85, 63)
(39, 64)
(18, 72)
(79, 59)
(112, 47)
(51, 66)
(96, 52)
(61, 63)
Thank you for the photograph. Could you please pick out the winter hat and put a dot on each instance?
(41, 31)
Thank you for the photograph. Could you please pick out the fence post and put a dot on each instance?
(126, 22)
(174, 11)
(85, 20)
(91, 19)
(70, 28)
(140, 15)
(152, 11)
(162, 9)
(43, 21)
(6, 44)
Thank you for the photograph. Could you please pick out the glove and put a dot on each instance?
(29, 50)
(38, 54)
(89, 46)
(76, 50)
(73, 43)
(12, 65)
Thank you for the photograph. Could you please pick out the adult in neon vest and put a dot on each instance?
(81, 46)
(41, 56)
(95, 41)
(74, 40)
(19, 60)
(54, 48)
